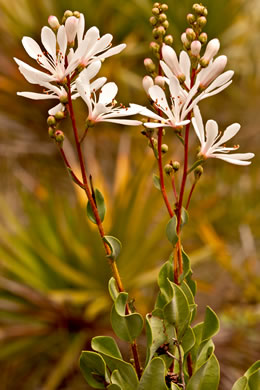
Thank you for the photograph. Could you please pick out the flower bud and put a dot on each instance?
(210, 52)
(153, 142)
(191, 18)
(159, 80)
(76, 14)
(162, 17)
(168, 169)
(165, 24)
(51, 132)
(185, 41)
(68, 13)
(161, 31)
(164, 148)
(59, 115)
(202, 21)
(59, 137)
(198, 171)
(71, 25)
(153, 20)
(190, 34)
(195, 48)
(147, 83)
(155, 47)
(51, 121)
(64, 98)
(53, 22)
(199, 9)
(203, 38)
(170, 57)
(176, 165)
(155, 11)
(168, 39)
(156, 5)
(149, 65)
(164, 7)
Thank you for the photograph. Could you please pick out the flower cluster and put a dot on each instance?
(186, 81)
(70, 60)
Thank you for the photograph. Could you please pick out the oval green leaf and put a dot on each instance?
(153, 377)
(93, 368)
(114, 245)
(171, 230)
(240, 384)
(101, 207)
(211, 324)
(207, 377)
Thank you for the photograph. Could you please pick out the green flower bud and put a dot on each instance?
(191, 18)
(190, 34)
(198, 171)
(162, 17)
(168, 169)
(155, 47)
(155, 33)
(202, 21)
(89, 123)
(175, 165)
(204, 63)
(59, 137)
(205, 12)
(199, 9)
(76, 14)
(168, 40)
(156, 5)
(68, 13)
(166, 24)
(64, 99)
(51, 121)
(153, 20)
(164, 148)
(51, 132)
(153, 142)
(161, 30)
(155, 11)
(164, 7)
(60, 115)
(203, 38)
(149, 65)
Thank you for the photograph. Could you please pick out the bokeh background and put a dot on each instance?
(53, 273)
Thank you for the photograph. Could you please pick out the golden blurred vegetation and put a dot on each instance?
(53, 294)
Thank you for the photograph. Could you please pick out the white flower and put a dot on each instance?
(173, 67)
(211, 50)
(54, 92)
(174, 115)
(52, 60)
(103, 108)
(212, 142)
(147, 83)
(195, 48)
(71, 27)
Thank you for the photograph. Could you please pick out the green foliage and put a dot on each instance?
(101, 207)
(153, 376)
(250, 380)
(171, 230)
(114, 245)
(206, 377)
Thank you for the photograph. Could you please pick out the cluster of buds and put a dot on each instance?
(160, 25)
(70, 20)
(172, 167)
(54, 133)
(193, 38)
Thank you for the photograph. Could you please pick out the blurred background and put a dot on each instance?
(53, 272)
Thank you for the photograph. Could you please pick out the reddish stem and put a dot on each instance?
(69, 167)
(174, 188)
(190, 194)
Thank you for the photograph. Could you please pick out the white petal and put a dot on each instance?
(237, 159)
(158, 96)
(198, 124)
(100, 45)
(71, 26)
(185, 66)
(98, 83)
(84, 91)
(211, 134)
(32, 48)
(108, 93)
(114, 50)
(220, 80)
(98, 110)
(81, 27)
(167, 71)
(171, 59)
(152, 125)
(175, 88)
(119, 112)
(92, 70)
(127, 122)
(150, 114)
(31, 74)
(36, 96)
(215, 92)
(49, 41)
(55, 109)
(62, 40)
(230, 132)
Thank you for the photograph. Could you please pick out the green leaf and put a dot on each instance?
(114, 387)
(211, 324)
(114, 245)
(153, 377)
(177, 312)
(126, 326)
(171, 230)
(252, 368)
(191, 283)
(188, 340)
(156, 182)
(74, 180)
(205, 351)
(207, 377)
(186, 266)
(112, 288)
(93, 368)
(109, 350)
(101, 207)
(184, 216)
(165, 278)
(120, 381)
(240, 384)
(106, 345)
(187, 292)
(174, 387)
(254, 380)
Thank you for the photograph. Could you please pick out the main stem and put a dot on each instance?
(98, 220)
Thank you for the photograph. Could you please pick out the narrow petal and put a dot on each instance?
(84, 91)
(158, 96)
(31, 74)
(150, 114)
(110, 52)
(185, 66)
(167, 71)
(108, 93)
(198, 125)
(127, 122)
(98, 110)
(49, 41)
(37, 96)
(98, 83)
(32, 48)
(120, 112)
(220, 80)
(237, 159)
(153, 125)
(81, 27)
(62, 40)
(229, 133)
(211, 134)
(55, 109)
(100, 45)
